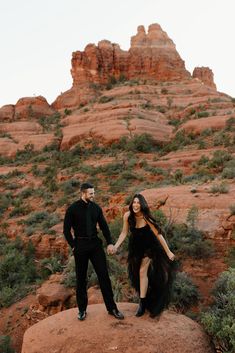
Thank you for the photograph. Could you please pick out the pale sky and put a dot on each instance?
(37, 38)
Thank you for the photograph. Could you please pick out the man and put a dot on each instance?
(82, 217)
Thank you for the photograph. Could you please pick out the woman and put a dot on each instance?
(150, 261)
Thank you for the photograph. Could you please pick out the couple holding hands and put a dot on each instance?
(150, 261)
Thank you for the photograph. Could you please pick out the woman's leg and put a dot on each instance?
(143, 272)
(144, 276)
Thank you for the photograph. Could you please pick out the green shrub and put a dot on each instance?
(5, 202)
(221, 139)
(185, 293)
(17, 271)
(40, 220)
(203, 114)
(5, 345)
(50, 265)
(222, 188)
(203, 160)
(229, 169)
(188, 240)
(105, 99)
(232, 209)
(69, 275)
(230, 124)
(219, 319)
(141, 143)
(230, 259)
(180, 140)
(70, 186)
(219, 159)
(24, 194)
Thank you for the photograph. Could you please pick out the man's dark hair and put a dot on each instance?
(85, 186)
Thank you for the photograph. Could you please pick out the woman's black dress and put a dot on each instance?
(143, 242)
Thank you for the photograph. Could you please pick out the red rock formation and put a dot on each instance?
(100, 332)
(32, 107)
(25, 108)
(17, 134)
(205, 74)
(7, 112)
(152, 56)
(52, 296)
(215, 123)
(213, 208)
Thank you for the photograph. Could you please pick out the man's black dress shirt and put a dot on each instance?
(83, 217)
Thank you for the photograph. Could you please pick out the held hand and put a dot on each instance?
(171, 256)
(111, 249)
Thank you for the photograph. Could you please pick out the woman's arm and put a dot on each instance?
(124, 231)
(161, 240)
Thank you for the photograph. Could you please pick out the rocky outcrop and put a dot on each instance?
(32, 107)
(16, 135)
(52, 296)
(19, 126)
(107, 124)
(213, 208)
(170, 333)
(205, 74)
(26, 108)
(214, 123)
(7, 112)
(152, 56)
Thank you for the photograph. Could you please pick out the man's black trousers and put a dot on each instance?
(92, 249)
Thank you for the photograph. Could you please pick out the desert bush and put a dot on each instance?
(24, 194)
(219, 159)
(204, 114)
(221, 188)
(230, 124)
(40, 220)
(221, 139)
(180, 140)
(219, 319)
(51, 265)
(69, 275)
(25, 154)
(187, 239)
(184, 293)
(230, 258)
(140, 143)
(6, 345)
(5, 201)
(17, 271)
(105, 99)
(229, 169)
(70, 186)
(113, 168)
(203, 160)
(232, 209)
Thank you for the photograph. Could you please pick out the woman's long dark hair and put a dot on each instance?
(144, 209)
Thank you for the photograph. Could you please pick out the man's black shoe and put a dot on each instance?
(81, 315)
(117, 314)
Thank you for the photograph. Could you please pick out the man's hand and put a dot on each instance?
(111, 249)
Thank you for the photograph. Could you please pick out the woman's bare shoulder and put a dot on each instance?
(126, 215)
